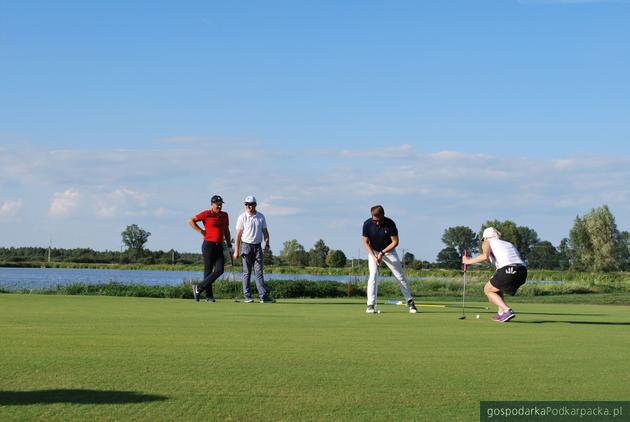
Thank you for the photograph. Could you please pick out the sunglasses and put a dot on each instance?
(250, 204)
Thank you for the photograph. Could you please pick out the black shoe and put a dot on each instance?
(412, 306)
(195, 292)
(210, 299)
(268, 300)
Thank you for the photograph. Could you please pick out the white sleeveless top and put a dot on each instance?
(504, 253)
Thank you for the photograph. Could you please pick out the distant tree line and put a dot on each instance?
(593, 244)
(320, 255)
(91, 256)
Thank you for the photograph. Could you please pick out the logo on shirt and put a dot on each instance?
(510, 271)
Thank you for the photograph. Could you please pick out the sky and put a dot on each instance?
(445, 112)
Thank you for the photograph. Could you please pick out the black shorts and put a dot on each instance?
(509, 278)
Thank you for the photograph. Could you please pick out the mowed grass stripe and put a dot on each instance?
(302, 359)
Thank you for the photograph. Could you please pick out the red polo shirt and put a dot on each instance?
(214, 224)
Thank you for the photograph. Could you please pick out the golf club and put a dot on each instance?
(401, 303)
(464, 291)
(232, 276)
(376, 310)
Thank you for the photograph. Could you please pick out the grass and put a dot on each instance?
(121, 358)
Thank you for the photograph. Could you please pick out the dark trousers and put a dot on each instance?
(213, 263)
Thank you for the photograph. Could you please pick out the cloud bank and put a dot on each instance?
(305, 195)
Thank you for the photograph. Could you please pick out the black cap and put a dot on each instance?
(216, 199)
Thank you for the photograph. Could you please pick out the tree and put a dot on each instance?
(461, 238)
(134, 237)
(449, 258)
(336, 259)
(508, 230)
(267, 256)
(522, 237)
(580, 246)
(317, 255)
(293, 253)
(408, 259)
(543, 255)
(564, 254)
(527, 239)
(596, 243)
(623, 251)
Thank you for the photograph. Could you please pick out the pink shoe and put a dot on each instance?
(508, 315)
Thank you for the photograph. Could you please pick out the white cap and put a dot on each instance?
(250, 199)
(490, 232)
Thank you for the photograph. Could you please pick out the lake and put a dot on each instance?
(37, 278)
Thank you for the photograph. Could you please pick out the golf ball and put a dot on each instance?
(378, 312)
(477, 316)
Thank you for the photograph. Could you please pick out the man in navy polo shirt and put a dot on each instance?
(380, 238)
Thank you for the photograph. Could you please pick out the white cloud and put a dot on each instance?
(161, 212)
(10, 209)
(401, 151)
(119, 201)
(273, 209)
(64, 203)
(114, 167)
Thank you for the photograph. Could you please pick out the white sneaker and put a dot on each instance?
(412, 307)
(370, 309)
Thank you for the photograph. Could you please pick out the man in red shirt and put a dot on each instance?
(216, 229)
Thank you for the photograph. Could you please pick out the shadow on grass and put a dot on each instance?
(573, 322)
(361, 301)
(75, 397)
(558, 313)
(299, 301)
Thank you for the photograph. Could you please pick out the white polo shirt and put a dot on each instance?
(252, 226)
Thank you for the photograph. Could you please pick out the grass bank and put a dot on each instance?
(593, 291)
(477, 272)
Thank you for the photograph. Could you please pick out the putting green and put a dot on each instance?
(112, 358)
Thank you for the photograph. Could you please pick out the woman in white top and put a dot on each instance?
(511, 271)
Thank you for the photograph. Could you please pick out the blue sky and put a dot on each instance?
(446, 112)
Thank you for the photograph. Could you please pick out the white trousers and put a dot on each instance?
(393, 262)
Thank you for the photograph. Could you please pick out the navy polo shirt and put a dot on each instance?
(379, 236)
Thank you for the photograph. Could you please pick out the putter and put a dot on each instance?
(235, 288)
(376, 310)
(232, 276)
(464, 291)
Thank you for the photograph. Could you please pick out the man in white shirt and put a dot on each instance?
(251, 231)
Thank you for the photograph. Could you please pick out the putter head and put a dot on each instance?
(462, 317)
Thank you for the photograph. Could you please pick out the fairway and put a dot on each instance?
(111, 358)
